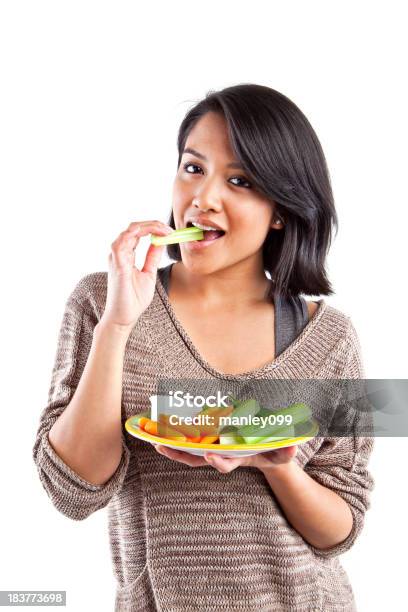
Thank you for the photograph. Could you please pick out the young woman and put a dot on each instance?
(259, 533)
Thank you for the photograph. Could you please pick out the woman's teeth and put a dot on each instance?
(205, 227)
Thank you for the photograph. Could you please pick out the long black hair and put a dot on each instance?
(280, 152)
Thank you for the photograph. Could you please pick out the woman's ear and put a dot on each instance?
(277, 223)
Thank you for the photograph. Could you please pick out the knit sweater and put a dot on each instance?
(185, 538)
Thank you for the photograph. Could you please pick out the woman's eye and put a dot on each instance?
(240, 178)
(247, 184)
(190, 165)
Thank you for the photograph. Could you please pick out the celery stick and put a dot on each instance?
(245, 408)
(185, 234)
(231, 438)
(261, 411)
(252, 433)
(279, 434)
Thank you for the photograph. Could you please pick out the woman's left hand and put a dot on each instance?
(224, 465)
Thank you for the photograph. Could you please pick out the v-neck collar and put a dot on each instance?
(285, 364)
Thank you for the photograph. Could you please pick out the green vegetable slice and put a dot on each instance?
(280, 434)
(255, 433)
(245, 408)
(185, 234)
(230, 437)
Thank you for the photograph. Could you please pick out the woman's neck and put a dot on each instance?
(233, 287)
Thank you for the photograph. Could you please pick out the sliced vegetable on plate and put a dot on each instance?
(289, 422)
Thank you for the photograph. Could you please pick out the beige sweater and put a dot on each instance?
(184, 538)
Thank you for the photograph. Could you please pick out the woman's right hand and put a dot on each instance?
(130, 290)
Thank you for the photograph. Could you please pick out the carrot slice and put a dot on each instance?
(163, 431)
(142, 421)
(173, 434)
(209, 439)
(151, 427)
(190, 431)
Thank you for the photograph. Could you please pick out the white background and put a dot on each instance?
(92, 97)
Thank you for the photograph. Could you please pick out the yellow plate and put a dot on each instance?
(228, 450)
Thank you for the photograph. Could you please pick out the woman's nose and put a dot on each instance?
(208, 196)
(207, 201)
(205, 205)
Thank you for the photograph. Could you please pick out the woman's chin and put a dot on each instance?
(201, 265)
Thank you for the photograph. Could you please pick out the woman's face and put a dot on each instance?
(207, 187)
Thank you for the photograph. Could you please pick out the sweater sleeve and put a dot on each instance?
(71, 494)
(340, 464)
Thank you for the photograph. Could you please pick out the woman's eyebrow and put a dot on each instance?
(201, 156)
